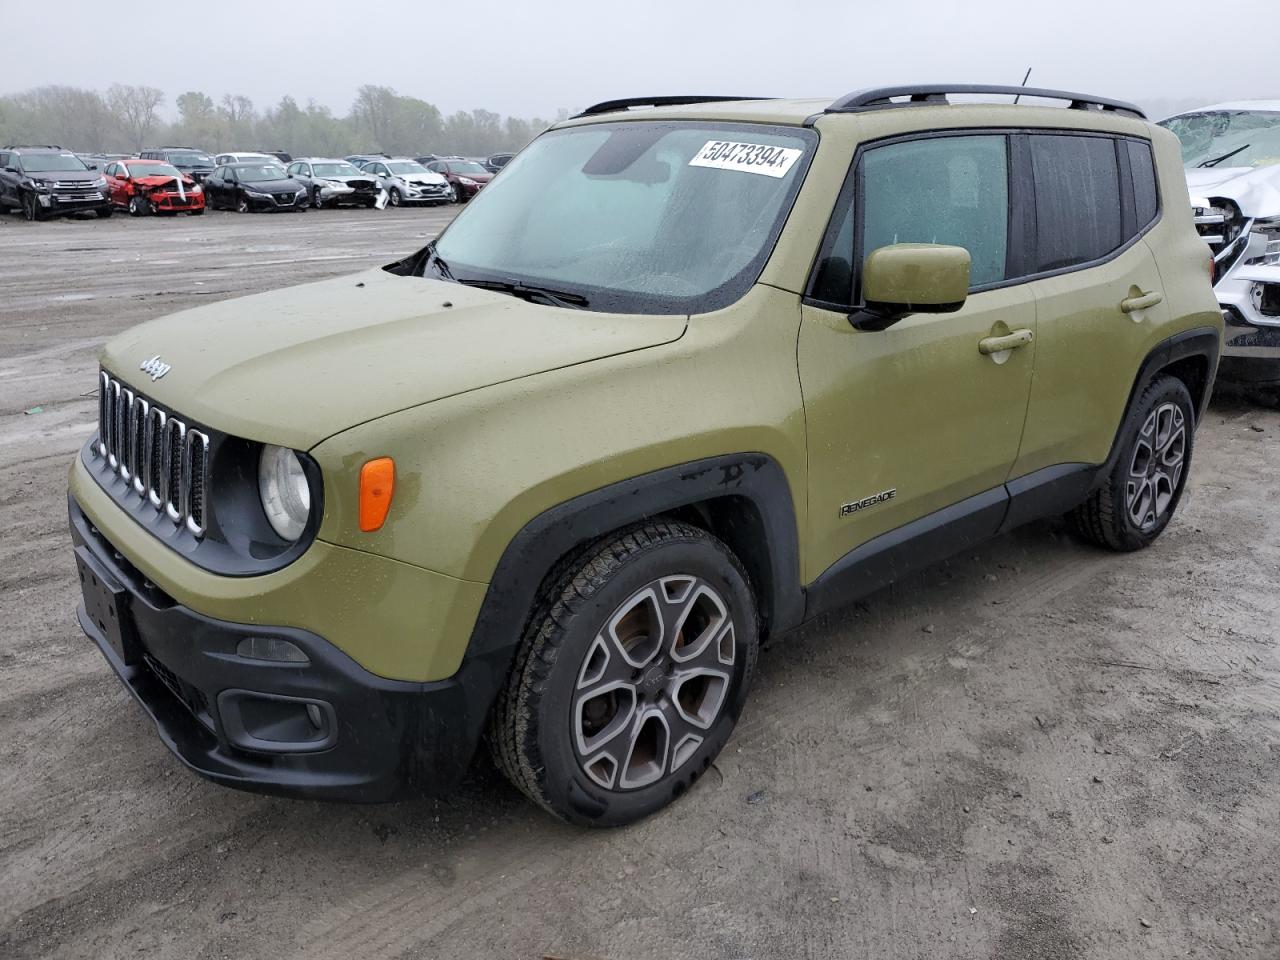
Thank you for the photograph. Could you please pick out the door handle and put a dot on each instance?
(1011, 341)
(1141, 303)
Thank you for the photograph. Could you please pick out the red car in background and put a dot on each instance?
(152, 186)
(465, 176)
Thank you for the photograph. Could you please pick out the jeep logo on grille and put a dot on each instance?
(155, 367)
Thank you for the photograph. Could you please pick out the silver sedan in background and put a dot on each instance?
(332, 183)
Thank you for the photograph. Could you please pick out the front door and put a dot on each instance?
(906, 421)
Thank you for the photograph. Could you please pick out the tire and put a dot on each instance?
(104, 213)
(242, 205)
(30, 209)
(316, 202)
(393, 197)
(562, 732)
(138, 207)
(1144, 488)
(455, 195)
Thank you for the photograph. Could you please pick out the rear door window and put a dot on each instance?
(1078, 205)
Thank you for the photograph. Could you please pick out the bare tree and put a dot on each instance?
(136, 110)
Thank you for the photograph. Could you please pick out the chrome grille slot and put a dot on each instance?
(157, 455)
(175, 445)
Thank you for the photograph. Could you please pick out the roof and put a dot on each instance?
(926, 102)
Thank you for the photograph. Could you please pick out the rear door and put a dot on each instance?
(907, 421)
(1099, 295)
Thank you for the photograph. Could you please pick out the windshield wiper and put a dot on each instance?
(1226, 156)
(557, 298)
(434, 260)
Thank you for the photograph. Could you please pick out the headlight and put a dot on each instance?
(467, 181)
(282, 485)
(256, 195)
(301, 193)
(100, 182)
(41, 185)
(195, 191)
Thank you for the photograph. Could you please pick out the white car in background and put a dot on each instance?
(1232, 155)
(407, 181)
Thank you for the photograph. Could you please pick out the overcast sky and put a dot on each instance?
(533, 58)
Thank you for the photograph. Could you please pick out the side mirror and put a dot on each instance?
(908, 278)
(10, 169)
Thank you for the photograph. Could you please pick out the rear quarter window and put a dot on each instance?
(1146, 196)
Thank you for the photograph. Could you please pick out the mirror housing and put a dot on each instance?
(907, 278)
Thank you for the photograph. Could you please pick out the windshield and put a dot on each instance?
(43, 162)
(259, 173)
(1212, 134)
(334, 170)
(639, 217)
(152, 170)
(190, 158)
(407, 166)
(465, 168)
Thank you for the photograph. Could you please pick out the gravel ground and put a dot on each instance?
(1035, 750)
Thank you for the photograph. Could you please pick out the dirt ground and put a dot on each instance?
(1036, 750)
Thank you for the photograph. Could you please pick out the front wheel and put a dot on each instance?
(242, 206)
(31, 207)
(455, 195)
(1143, 489)
(138, 207)
(394, 198)
(631, 676)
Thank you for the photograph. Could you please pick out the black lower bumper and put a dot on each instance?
(252, 724)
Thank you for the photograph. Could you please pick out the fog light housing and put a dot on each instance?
(271, 648)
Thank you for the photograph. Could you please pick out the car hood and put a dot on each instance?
(159, 181)
(1256, 190)
(272, 186)
(419, 177)
(65, 176)
(296, 366)
(477, 177)
(352, 178)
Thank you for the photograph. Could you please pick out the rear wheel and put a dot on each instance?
(631, 676)
(1143, 489)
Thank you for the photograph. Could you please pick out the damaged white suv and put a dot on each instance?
(1232, 155)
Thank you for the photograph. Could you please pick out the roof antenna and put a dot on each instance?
(1025, 78)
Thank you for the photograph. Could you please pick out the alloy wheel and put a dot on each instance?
(654, 681)
(1155, 469)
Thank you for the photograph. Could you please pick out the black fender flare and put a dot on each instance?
(756, 478)
(1203, 342)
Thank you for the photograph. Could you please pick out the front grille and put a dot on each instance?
(285, 199)
(76, 190)
(158, 455)
(361, 186)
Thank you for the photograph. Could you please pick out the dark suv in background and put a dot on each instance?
(196, 164)
(48, 181)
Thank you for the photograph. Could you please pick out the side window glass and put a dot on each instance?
(4, 160)
(1146, 197)
(948, 190)
(293, 169)
(1077, 182)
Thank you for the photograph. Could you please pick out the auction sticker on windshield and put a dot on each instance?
(747, 157)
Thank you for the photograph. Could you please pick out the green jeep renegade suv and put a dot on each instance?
(680, 379)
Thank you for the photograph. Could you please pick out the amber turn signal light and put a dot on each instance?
(377, 484)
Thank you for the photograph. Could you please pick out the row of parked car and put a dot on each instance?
(45, 180)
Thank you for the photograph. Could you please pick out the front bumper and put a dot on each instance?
(245, 723)
(426, 193)
(1249, 295)
(292, 202)
(53, 204)
(176, 203)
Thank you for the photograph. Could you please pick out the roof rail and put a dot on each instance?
(612, 106)
(880, 98)
(34, 146)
